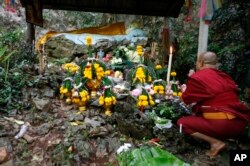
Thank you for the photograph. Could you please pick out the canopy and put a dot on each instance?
(164, 8)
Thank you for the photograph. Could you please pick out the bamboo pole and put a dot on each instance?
(203, 37)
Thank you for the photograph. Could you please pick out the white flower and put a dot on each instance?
(124, 148)
(126, 49)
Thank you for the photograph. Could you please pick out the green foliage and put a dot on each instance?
(11, 91)
(14, 54)
(5, 58)
(172, 110)
(10, 37)
(152, 156)
(162, 73)
(185, 57)
(229, 38)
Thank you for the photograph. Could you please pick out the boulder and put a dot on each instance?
(3, 155)
(42, 104)
(132, 122)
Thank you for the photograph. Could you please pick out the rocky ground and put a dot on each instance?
(57, 135)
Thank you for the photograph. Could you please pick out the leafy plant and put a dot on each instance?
(171, 110)
(5, 58)
(152, 156)
(11, 91)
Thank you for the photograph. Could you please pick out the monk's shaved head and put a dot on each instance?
(207, 59)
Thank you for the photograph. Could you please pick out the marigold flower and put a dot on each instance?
(179, 94)
(139, 50)
(84, 99)
(161, 88)
(173, 74)
(151, 102)
(71, 67)
(156, 88)
(144, 103)
(101, 100)
(157, 67)
(83, 93)
(107, 72)
(139, 103)
(76, 100)
(149, 79)
(143, 97)
(63, 90)
(88, 40)
(108, 103)
(96, 65)
(107, 99)
(161, 92)
(114, 100)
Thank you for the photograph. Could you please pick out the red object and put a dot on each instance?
(207, 22)
(215, 128)
(188, 18)
(213, 88)
(154, 140)
(13, 10)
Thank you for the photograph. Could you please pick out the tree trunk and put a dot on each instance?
(30, 36)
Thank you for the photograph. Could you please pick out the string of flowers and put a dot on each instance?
(89, 44)
(140, 52)
(144, 100)
(67, 84)
(93, 70)
(107, 100)
(159, 87)
(175, 85)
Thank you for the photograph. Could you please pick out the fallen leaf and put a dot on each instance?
(19, 122)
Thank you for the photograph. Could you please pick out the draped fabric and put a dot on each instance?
(112, 29)
(208, 7)
(213, 89)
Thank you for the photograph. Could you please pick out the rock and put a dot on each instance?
(5, 142)
(28, 138)
(48, 92)
(42, 104)
(43, 129)
(83, 147)
(8, 163)
(173, 139)
(75, 117)
(136, 125)
(98, 131)
(101, 150)
(62, 48)
(113, 144)
(3, 155)
(94, 123)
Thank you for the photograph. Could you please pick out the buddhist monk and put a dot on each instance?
(218, 113)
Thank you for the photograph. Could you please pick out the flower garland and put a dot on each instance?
(107, 100)
(144, 100)
(93, 70)
(159, 87)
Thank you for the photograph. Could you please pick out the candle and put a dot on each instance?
(169, 64)
(171, 49)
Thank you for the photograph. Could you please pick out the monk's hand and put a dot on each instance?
(191, 72)
(183, 88)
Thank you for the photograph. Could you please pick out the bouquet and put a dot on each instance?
(67, 84)
(107, 100)
(144, 100)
